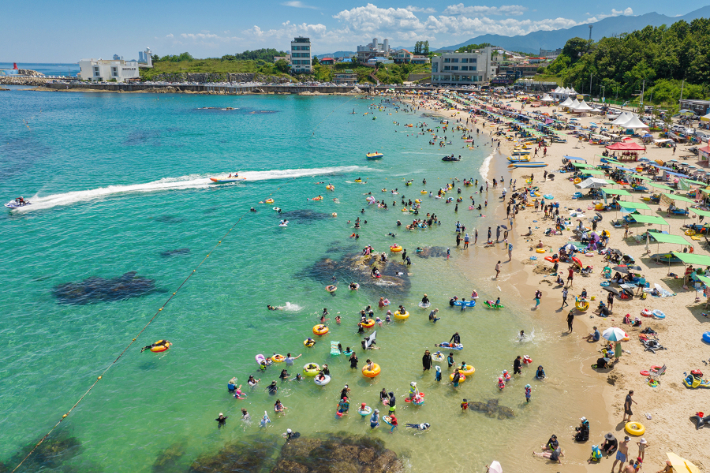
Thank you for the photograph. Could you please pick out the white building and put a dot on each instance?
(462, 68)
(373, 49)
(301, 59)
(145, 58)
(108, 69)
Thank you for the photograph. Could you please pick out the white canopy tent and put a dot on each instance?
(547, 98)
(634, 123)
(623, 118)
(582, 107)
(566, 103)
(573, 105)
(592, 183)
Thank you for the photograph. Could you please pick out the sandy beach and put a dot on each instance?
(663, 410)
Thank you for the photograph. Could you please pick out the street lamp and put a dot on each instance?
(603, 89)
(590, 85)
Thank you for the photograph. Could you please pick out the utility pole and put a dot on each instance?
(590, 82)
(681, 91)
(643, 87)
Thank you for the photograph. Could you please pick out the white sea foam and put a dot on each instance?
(292, 307)
(484, 167)
(193, 181)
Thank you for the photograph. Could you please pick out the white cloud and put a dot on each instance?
(297, 4)
(419, 9)
(507, 10)
(371, 18)
(170, 36)
(625, 12)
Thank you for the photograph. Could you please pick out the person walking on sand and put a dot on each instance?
(621, 454)
(538, 295)
(497, 270)
(570, 320)
(564, 297)
(570, 277)
(510, 251)
(627, 406)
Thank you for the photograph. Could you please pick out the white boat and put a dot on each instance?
(14, 204)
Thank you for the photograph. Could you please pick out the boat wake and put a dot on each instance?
(194, 181)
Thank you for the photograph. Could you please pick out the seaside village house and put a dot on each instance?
(457, 69)
(301, 60)
(105, 70)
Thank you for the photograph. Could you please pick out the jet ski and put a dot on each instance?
(450, 158)
(227, 180)
(17, 203)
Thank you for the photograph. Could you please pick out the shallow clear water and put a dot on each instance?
(120, 182)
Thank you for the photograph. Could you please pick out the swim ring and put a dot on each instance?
(461, 379)
(400, 316)
(646, 313)
(493, 305)
(658, 314)
(425, 306)
(634, 428)
(322, 382)
(160, 348)
(424, 192)
(260, 358)
(581, 304)
(645, 373)
(348, 352)
(387, 419)
(468, 370)
(320, 329)
(549, 196)
(540, 250)
(331, 288)
(395, 248)
(269, 201)
(371, 373)
(365, 412)
(438, 357)
(460, 303)
(311, 369)
(309, 342)
(706, 337)
(418, 399)
(278, 358)
(369, 323)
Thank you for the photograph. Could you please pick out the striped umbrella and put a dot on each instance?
(615, 334)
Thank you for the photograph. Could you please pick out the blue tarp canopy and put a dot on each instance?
(572, 158)
(661, 167)
(627, 169)
(676, 174)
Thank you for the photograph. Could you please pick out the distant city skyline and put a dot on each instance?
(67, 32)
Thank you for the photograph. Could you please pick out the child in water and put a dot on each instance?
(437, 375)
(501, 384)
(464, 405)
(378, 321)
(528, 392)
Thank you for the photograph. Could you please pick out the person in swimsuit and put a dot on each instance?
(622, 453)
(554, 455)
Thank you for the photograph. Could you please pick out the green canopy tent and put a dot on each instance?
(649, 219)
(582, 165)
(591, 172)
(633, 205)
(679, 198)
(643, 178)
(665, 238)
(702, 213)
(692, 258)
(660, 186)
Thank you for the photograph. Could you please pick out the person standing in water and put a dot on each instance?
(426, 360)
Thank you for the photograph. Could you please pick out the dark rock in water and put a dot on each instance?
(358, 268)
(168, 219)
(98, 289)
(337, 453)
(431, 252)
(168, 460)
(179, 251)
(58, 449)
(303, 216)
(492, 409)
(252, 454)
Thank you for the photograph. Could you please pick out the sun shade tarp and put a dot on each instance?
(616, 191)
(582, 165)
(703, 213)
(659, 186)
(652, 219)
(692, 258)
(666, 238)
(634, 205)
(679, 198)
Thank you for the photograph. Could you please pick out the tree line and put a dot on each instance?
(657, 59)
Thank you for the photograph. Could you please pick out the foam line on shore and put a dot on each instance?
(485, 167)
(193, 181)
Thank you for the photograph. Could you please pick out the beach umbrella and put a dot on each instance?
(681, 465)
(613, 290)
(615, 334)
(622, 269)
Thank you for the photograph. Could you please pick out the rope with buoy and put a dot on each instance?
(100, 377)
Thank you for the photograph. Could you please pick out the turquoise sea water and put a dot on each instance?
(120, 181)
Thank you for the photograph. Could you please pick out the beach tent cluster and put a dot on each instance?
(562, 93)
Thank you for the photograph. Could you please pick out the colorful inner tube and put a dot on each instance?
(468, 370)
(634, 428)
(395, 248)
(160, 346)
(400, 316)
(278, 358)
(371, 373)
(320, 329)
(311, 369)
(369, 323)
(581, 305)
(461, 379)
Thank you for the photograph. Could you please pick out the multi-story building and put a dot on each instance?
(345, 77)
(108, 70)
(301, 56)
(145, 58)
(402, 56)
(550, 53)
(462, 68)
(374, 49)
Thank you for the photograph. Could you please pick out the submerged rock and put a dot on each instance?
(53, 454)
(253, 454)
(432, 252)
(492, 409)
(168, 459)
(96, 289)
(358, 268)
(303, 215)
(337, 453)
(179, 251)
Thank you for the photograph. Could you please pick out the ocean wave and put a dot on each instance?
(193, 181)
(485, 166)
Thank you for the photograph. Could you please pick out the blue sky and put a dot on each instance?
(52, 31)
